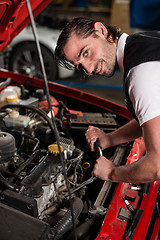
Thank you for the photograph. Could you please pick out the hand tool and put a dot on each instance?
(97, 145)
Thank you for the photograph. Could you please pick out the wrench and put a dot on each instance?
(93, 178)
(98, 146)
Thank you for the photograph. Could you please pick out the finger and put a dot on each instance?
(91, 137)
(90, 129)
(93, 174)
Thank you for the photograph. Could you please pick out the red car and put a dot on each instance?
(46, 188)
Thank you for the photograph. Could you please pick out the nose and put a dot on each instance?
(87, 66)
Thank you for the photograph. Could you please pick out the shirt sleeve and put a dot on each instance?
(144, 90)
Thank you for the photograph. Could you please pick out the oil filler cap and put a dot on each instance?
(53, 148)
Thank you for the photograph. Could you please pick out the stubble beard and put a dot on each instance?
(110, 70)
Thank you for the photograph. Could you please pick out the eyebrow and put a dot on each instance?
(81, 52)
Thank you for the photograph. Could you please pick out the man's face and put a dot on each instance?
(94, 55)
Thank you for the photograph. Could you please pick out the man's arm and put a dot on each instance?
(146, 169)
(126, 133)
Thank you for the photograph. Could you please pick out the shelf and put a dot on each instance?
(88, 9)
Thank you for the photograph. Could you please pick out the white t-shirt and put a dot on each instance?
(144, 86)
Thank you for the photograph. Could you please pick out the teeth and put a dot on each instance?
(98, 70)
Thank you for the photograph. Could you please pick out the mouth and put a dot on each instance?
(99, 69)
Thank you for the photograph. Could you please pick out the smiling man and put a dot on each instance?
(83, 54)
(99, 49)
(88, 45)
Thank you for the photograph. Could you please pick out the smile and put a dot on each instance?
(100, 69)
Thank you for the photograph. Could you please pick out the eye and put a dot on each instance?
(85, 53)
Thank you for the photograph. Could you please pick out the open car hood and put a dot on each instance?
(14, 17)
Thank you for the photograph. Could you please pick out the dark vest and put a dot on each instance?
(139, 48)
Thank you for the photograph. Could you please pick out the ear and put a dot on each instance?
(101, 30)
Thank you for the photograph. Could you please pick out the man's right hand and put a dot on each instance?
(92, 134)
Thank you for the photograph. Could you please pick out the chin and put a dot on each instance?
(108, 75)
(111, 73)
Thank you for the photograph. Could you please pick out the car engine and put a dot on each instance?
(32, 177)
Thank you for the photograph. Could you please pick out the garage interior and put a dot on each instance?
(107, 12)
(59, 12)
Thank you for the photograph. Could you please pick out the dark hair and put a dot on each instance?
(83, 27)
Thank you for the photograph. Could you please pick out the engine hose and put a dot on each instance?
(4, 182)
(65, 224)
(83, 230)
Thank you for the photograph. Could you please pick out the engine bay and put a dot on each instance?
(32, 179)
